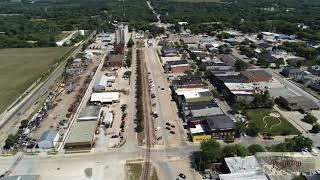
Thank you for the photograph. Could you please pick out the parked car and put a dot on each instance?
(172, 132)
(182, 176)
(168, 128)
(168, 124)
(173, 126)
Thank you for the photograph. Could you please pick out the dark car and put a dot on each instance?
(168, 124)
(172, 132)
(114, 136)
(182, 176)
(168, 128)
(173, 126)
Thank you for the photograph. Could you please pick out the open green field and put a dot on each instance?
(23, 66)
(270, 124)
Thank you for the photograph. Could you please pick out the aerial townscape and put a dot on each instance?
(160, 90)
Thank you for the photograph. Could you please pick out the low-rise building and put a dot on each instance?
(187, 81)
(221, 126)
(290, 72)
(216, 66)
(256, 76)
(169, 51)
(198, 133)
(315, 70)
(243, 168)
(105, 97)
(180, 66)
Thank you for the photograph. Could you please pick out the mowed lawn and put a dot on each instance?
(272, 125)
(21, 67)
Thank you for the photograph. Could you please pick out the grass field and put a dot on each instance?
(134, 171)
(21, 67)
(270, 124)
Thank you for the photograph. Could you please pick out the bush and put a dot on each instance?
(254, 148)
(309, 118)
(315, 128)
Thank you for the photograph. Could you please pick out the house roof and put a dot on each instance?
(255, 74)
(105, 97)
(21, 177)
(200, 105)
(219, 122)
(197, 129)
(186, 80)
(167, 50)
(208, 111)
(179, 62)
(49, 135)
(89, 113)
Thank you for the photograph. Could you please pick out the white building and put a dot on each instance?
(105, 97)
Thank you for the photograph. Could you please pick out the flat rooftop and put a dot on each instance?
(82, 131)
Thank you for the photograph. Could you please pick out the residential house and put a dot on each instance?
(315, 70)
(290, 72)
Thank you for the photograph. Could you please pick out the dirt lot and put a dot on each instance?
(104, 139)
(63, 101)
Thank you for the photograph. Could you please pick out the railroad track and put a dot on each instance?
(147, 118)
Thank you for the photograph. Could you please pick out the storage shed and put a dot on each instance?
(48, 139)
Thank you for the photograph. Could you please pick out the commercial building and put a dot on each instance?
(100, 84)
(198, 133)
(169, 51)
(82, 135)
(221, 126)
(48, 139)
(255, 76)
(115, 60)
(187, 81)
(105, 97)
(295, 103)
(243, 168)
(180, 66)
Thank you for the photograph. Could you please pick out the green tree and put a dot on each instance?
(300, 177)
(24, 124)
(260, 36)
(234, 150)
(298, 143)
(309, 118)
(241, 65)
(315, 128)
(254, 148)
(279, 62)
(10, 141)
(253, 129)
(241, 128)
(130, 43)
(210, 150)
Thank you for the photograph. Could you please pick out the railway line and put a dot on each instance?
(147, 117)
